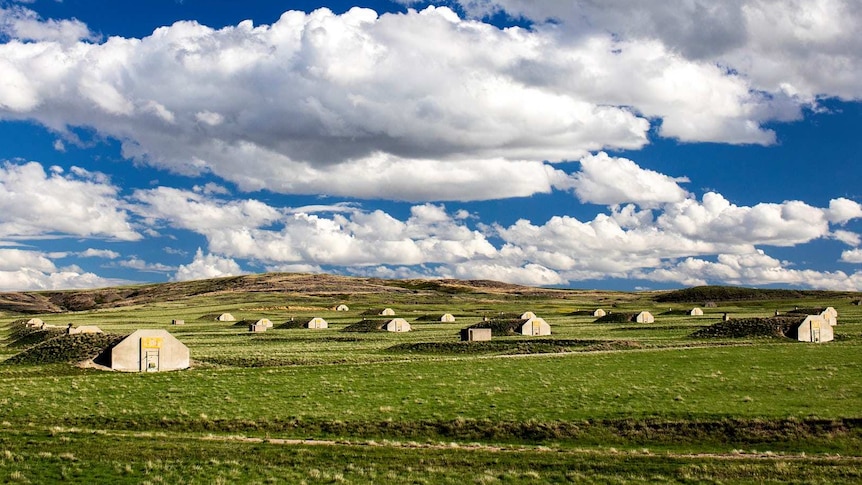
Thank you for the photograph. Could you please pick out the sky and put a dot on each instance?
(607, 144)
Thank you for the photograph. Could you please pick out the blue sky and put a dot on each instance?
(614, 145)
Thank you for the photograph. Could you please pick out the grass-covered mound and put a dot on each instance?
(22, 336)
(676, 312)
(806, 311)
(581, 313)
(372, 312)
(430, 318)
(617, 318)
(366, 326)
(734, 293)
(291, 324)
(34, 337)
(501, 327)
(513, 347)
(243, 323)
(772, 327)
(67, 348)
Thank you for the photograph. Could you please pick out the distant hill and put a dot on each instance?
(289, 283)
(702, 294)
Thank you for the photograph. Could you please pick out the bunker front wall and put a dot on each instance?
(128, 355)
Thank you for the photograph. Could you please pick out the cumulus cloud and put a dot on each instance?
(420, 106)
(796, 48)
(141, 265)
(611, 181)
(432, 241)
(196, 212)
(847, 237)
(207, 266)
(843, 210)
(852, 256)
(18, 22)
(99, 253)
(22, 270)
(755, 268)
(34, 203)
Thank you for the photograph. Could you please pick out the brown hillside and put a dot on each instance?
(287, 283)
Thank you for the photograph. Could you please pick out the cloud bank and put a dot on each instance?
(418, 106)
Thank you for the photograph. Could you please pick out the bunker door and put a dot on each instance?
(150, 349)
(815, 332)
(537, 328)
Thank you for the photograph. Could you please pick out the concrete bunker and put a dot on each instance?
(815, 329)
(645, 317)
(599, 312)
(316, 323)
(475, 334)
(536, 327)
(396, 325)
(71, 330)
(152, 350)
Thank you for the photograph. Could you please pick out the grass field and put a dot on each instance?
(602, 403)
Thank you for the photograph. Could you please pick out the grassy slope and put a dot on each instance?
(672, 395)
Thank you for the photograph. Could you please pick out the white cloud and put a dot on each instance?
(24, 24)
(196, 211)
(22, 270)
(33, 203)
(753, 269)
(99, 253)
(847, 237)
(207, 266)
(529, 274)
(611, 181)
(432, 241)
(852, 256)
(843, 210)
(141, 265)
(295, 268)
(417, 106)
(716, 219)
(802, 48)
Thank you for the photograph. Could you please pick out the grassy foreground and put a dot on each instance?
(600, 403)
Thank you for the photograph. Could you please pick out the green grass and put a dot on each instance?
(35, 457)
(581, 405)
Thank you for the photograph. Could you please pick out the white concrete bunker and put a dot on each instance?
(152, 350)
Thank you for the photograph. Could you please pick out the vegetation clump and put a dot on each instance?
(676, 312)
(502, 326)
(806, 311)
(67, 348)
(291, 324)
(772, 327)
(372, 312)
(617, 318)
(430, 318)
(366, 325)
(22, 336)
